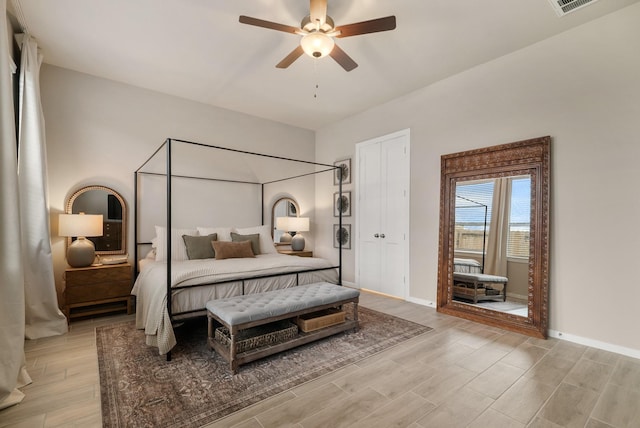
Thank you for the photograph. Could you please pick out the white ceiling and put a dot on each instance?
(197, 49)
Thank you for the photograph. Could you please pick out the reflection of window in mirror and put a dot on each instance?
(476, 202)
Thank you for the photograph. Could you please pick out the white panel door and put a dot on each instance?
(368, 194)
(383, 214)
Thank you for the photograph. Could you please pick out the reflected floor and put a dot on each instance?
(515, 307)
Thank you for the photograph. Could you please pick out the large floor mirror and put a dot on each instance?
(494, 236)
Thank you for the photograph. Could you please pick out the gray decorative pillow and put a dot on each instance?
(199, 247)
(254, 238)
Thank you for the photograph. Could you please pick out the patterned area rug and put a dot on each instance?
(140, 388)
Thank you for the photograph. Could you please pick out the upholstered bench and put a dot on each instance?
(478, 286)
(251, 310)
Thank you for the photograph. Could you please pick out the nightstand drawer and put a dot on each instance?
(84, 276)
(104, 290)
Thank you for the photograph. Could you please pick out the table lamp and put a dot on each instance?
(297, 225)
(81, 252)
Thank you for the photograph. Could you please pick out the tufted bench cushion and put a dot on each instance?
(254, 307)
(480, 277)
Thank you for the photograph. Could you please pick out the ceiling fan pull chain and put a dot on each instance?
(315, 76)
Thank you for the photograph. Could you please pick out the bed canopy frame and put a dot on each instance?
(476, 204)
(168, 161)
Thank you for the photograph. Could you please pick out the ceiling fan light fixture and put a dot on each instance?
(317, 44)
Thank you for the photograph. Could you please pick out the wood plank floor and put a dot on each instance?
(461, 374)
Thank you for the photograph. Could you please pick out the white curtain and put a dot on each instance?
(496, 262)
(28, 301)
(13, 373)
(43, 318)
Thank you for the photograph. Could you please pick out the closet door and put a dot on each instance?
(369, 195)
(383, 214)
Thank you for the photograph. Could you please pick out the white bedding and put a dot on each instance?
(150, 286)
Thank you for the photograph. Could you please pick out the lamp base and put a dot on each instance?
(297, 243)
(285, 237)
(81, 253)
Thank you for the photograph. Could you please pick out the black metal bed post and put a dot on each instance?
(262, 203)
(484, 237)
(169, 234)
(340, 226)
(135, 225)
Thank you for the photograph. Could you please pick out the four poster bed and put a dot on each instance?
(197, 262)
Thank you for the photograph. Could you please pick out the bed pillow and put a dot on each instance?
(224, 233)
(199, 247)
(178, 249)
(266, 241)
(254, 239)
(232, 250)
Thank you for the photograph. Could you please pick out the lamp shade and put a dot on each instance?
(298, 224)
(317, 45)
(282, 223)
(80, 225)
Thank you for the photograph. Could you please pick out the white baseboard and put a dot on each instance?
(629, 352)
(422, 302)
(518, 296)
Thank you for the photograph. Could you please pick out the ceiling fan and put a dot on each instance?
(318, 30)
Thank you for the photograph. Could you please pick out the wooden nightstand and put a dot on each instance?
(98, 290)
(303, 253)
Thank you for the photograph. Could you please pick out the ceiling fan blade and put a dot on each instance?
(342, 58)
(268, 24)
(288, 60)
(373, 26)
(318, 11)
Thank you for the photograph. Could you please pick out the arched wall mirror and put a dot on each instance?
(493, 262)
(283, 207)
(109, 203)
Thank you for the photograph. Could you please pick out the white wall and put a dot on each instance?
(100, 132)
(582, 88)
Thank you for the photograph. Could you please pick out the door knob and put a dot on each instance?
(382, 235)
(376, 236)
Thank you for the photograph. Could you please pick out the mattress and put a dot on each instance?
(466, 265)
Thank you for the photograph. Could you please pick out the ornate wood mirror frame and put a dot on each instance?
(529, 157)
(106, 201)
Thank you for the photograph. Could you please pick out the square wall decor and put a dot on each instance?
(342, 236)
(344, 173)
(342, 204)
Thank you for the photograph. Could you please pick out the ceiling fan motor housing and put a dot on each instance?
(308, 25)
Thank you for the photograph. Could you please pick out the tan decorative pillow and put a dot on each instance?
(232, 250)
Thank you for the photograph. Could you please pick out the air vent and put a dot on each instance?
(562, 7)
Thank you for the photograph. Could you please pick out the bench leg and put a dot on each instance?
(233, 364)
(355, 316)
(210, 331)
(475, 292)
